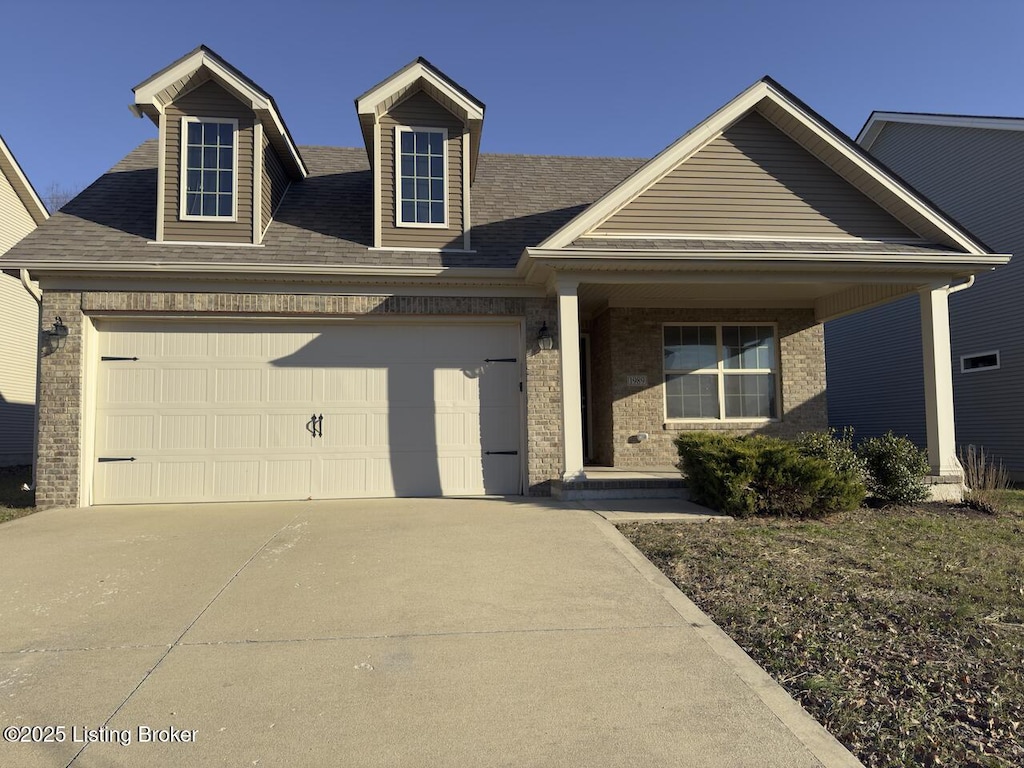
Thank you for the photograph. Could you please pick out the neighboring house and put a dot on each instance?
(250, 319)
(974, 168)
(21, 211)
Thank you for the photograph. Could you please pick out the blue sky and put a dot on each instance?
(559, 77)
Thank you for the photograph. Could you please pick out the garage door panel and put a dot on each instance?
(288, 478)
(290, 385)
(184, 385)
(130, 386)
(183, 432)
(182, 480)
(125, 481)
(184, 344)
(238, 385)
(238, 430)
(127, 431)
(220, 411)
(242, 345)
(236, 479)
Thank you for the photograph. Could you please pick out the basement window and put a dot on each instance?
(983, 361)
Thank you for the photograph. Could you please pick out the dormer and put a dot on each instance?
(226, 157)
(422, 136)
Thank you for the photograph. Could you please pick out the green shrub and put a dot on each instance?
(896, 469)
(837, 449)
(757, 475)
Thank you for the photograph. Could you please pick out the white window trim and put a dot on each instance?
(399, 130)
(183, 169)
(965, 358)
(720, 372)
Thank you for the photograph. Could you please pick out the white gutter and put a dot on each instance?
(962, 287)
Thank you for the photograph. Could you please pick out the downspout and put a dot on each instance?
(36, 294)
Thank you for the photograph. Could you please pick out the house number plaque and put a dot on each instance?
(636, 380)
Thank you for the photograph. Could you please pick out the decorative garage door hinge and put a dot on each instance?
(501, 453)
(501, 359)
(105, 459)
(107, 357)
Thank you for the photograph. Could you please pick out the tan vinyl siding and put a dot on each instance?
(420, 111)
(209, 100)
(275, 182)
(976, 176)
(19, 315)
(15, 221)
(753, 180)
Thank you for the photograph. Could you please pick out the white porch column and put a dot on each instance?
(569, 353)
(938, 381)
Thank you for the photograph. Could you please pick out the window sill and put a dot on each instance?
(420, 225)
(687, 425)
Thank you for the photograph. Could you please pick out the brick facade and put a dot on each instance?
(623, 341)
(58, 474)
(627, 341)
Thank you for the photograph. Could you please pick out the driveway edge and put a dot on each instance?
(812, 734)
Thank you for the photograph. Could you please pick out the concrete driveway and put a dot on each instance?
(369, 633)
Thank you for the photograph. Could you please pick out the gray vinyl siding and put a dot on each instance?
(19, 315)
(875, 372)
(754, 180)
(275, 182)
(976, 176)
(419, 110)
(209, 100)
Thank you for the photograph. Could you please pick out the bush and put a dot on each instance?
(896, 469)
(744, 476)
(986, 478)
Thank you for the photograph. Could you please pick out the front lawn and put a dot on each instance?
(15, 502)
(901, 631)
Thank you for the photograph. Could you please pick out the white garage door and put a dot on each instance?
(248, 411)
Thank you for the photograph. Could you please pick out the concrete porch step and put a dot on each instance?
(611, 483)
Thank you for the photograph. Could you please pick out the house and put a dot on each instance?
(248, 318)
(973, 167)
(21, 211)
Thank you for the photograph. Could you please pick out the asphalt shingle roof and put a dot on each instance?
(518, 200)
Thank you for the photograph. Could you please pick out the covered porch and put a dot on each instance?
(630, 323)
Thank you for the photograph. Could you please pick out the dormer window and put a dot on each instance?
(210, 153)
(421, 162)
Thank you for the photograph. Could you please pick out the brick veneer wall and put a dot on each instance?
(60, 407)
(634, 340)
(58, 473)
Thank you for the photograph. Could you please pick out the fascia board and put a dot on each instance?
(26, 192)
(367, 103)
(878, 120)
(248, 268)
(871, 169)
(657, 167)
(762, 259)
(146, 92)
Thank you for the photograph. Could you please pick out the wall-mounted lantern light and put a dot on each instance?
(54, 338)
(544, 338)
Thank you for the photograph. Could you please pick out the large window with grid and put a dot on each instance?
(421, 164)
(718, 372)
(208, 168)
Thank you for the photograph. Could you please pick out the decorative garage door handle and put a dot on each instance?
(315, 425)
(501, 360)
(501, 453)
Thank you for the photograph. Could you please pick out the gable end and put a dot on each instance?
(754, 181)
